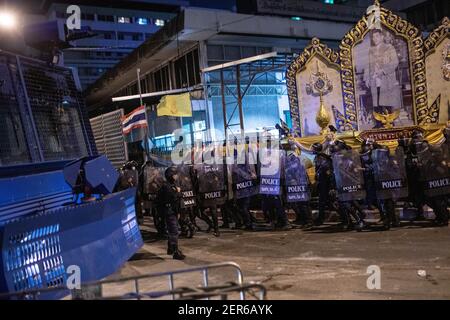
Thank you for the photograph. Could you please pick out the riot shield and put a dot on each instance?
(244, 180)
(186, 186)
(390, 174)
(211, 183)
(446, 151)
(296, 179)
(434, 172)
(270, 173)
(348, 175)
(128, 178)
(153, 180)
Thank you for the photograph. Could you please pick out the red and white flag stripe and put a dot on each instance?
(134, 120)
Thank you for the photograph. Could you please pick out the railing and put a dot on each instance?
(182, 293)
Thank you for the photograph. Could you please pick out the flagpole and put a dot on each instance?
(146, 147)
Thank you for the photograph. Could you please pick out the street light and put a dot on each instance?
(8, 20)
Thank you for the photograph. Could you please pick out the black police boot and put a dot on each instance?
(347, 225)
(178, 255)
(215, 221)
(441, 219)
(285, 227)
(162, 236)
(318, 222)
(395, 221)
(360, 225)
(170, 249)
(210, 227)
(386, 224)
(191, 232)
(385, 219)
(441, 223)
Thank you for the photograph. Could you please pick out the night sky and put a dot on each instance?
(34, 5)
(222, 4)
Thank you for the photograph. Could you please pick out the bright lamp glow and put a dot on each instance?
(7, 20)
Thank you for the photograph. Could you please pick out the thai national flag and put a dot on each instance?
(134, 120)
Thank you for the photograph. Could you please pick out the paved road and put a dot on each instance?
(318, 264)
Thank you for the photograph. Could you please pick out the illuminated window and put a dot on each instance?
(159, 22)
(142, 21)
(123, 19)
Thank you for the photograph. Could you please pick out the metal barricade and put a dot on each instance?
(182, 293)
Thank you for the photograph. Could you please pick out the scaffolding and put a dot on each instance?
(256, 76)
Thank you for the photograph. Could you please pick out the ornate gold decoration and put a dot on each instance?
(435, 108)
(386, 118)
(402, 28)
(323, 118)
(387, 137)
(374, 16)
(315, 48)
(319, 85)
(446, 63)
(436, 37)
(392, 134)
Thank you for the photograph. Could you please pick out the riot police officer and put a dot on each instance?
(199, 211)
(434, 178)
(244, 178)
(269, 164)
(150, 184)
(349, 183)
(416, 196)
(324, 179)
(210, 188)
(129, 178)
(384, 201)
(169, 197)
(188, 200)
(297, 185)
(369, 181)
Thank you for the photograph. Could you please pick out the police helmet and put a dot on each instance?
(317, 147)
(447, 134)
(416, 134)
(170, 172)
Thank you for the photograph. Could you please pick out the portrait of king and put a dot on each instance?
(383, 81)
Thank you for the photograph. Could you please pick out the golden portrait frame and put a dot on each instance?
(316, 47)
(431, 43)
(414, 40)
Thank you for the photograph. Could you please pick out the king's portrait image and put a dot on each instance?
(383, 80)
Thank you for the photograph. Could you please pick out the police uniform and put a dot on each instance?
(347, 209)
(302, 209)
(169, 204)
(386, 207)
(325, 180)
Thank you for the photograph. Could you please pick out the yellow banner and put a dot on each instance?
(175, 106)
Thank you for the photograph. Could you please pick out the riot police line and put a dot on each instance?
(416, 173)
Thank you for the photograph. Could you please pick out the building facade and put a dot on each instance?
(119, 29)
(198, 39)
